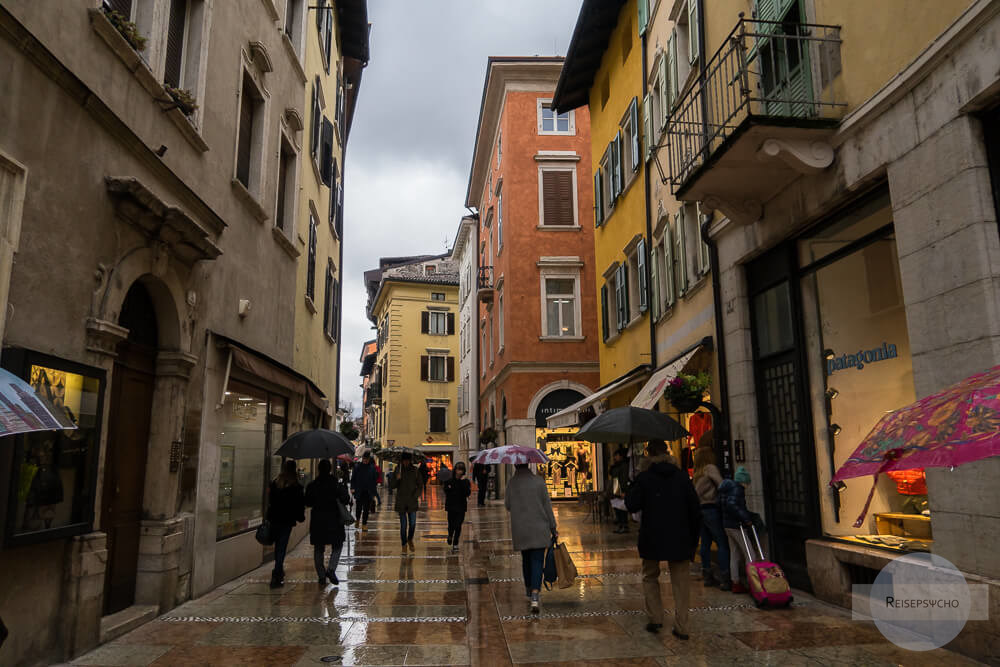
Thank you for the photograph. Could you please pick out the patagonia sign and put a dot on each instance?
(860, 358)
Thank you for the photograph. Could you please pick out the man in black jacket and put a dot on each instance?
(482, 476)
(668, 531)
(364, 483)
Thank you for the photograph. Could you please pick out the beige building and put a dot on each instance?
(146, 148)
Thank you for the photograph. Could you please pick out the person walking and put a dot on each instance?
(532, 526)
(406, 482)
(733, 499)
(363, 484)
(378, 483)
(707, 479)
(326, 525)
(285, 508)
(619, 483)
(456, 494)
(668, 531)
(425, 476)
(482, 476)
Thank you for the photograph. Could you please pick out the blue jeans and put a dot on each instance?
(712, 531)
(282, 533)
(531, 564)
(406, 534)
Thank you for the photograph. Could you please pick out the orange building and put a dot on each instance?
(537, 324)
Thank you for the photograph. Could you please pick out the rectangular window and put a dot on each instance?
(693, 42)
(631, 131)
(437, 296)
(438, 418)
(176, 24)
(326, 153)
(54, 471)
(598, 199)
(437, 368)
(640, 270)
(251, 140)
(608, 178)
(499, 217)
(284, 213)
(560, 307)
(317, 121)
(293, 21)
(550, 122)
(438, 324)
(622, 296)
(331, 307)
(324, 25)
(311, 261)
(605, 322)
(500, 315)
(558, 205)
(680, 253)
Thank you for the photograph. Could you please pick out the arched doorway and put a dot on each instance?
(131, 406)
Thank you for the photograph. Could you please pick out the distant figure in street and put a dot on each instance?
(532, 526)
(378, 482)
(733, 498)
(285, 508)
(482, 476)
(425, 475)
(406, 482)
(707, 480)
(326, 525)
(364, 483)
(668, 531)
(619, 484)
(456, 502)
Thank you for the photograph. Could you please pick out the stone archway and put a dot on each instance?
(551, 387)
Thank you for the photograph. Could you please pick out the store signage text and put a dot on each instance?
(859, 359)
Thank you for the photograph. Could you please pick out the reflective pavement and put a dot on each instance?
(439, 608)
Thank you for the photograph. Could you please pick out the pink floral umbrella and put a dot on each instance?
(957, 425)
(513, 454)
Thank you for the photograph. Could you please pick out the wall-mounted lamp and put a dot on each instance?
(828, 354)
(835, 429)
(832, 393)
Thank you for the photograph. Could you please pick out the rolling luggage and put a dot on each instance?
(767, 581)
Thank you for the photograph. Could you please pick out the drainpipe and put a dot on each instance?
(649, 220)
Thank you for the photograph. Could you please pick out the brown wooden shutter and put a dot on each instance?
(451, 369)
(425, 362)
(175, 43)
(557, 197)
(425, 322)
(451, 324)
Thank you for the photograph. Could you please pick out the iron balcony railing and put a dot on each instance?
(764, 69)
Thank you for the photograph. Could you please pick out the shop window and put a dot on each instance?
(570, 469)
(52, 486)
(253, 426)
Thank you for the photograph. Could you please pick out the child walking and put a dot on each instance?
(733, 498)
(456, 493)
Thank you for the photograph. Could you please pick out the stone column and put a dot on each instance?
(85, 569)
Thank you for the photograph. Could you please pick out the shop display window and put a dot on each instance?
(53, 476)
(435, 463)
(253, 427)
(860, 369)
(571, 469)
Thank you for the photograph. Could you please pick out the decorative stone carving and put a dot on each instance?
(101, 276)
(743, 212)
(803, 155)
(104, 336)
(175, 363)
(258, 52)
(293, 119)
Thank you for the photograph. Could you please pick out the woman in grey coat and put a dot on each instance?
(532, 526)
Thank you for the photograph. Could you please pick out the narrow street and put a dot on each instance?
(435, 608)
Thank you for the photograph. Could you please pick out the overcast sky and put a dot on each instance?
(408, 156)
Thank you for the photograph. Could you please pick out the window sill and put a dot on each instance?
(250, 201)
(562, 339)
(310, 306)
(695, 287)
(284, 243)
(296, 63)
(555, 133)
(314, 160)
(634, 321)
(610, 340)
(559, 228)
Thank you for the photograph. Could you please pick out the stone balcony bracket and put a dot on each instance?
(803, 155)
(103, 336)
(742, 212)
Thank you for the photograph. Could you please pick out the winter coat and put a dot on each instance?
(532, 523)
(425, 472)
(325, 524)
(481, 473)
(671, 513)
(365, 479)
(407, 485)
(733, 498)
(456, 493)
(286, 506)
(619, 471)
(707, 484)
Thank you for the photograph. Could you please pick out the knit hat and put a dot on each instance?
(741, 476)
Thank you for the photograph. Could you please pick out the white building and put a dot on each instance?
(466, 254)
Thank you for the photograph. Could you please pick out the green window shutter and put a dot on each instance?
(668, 270)
(640, 266)
(643, 16)
(664, 90)
(619, 167)
(672, 70)
(618, 299)
(647, 127)
(654, 292)
(598, 204)
(682, 274)
(633, 111)
(604, 312)
(693, 44)
(766, 10)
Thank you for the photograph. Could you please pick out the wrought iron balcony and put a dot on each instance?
(759, 102)
(485, 283)
(373, 395)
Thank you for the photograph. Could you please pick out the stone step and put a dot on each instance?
(117, 624)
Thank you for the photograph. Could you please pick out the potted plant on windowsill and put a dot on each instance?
(488, 437)
(685, 392)
(183, 99)
(126, 28)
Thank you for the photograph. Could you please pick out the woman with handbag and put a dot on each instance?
(532, 526)
(285, 508)
(327, 498)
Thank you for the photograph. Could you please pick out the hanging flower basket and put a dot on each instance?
(685, 392)
(127, 29)
(183, 99)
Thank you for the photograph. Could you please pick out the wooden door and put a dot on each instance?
(125, 471)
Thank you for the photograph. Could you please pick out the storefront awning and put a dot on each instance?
(650, 394)
(275, 374)
(570, 416)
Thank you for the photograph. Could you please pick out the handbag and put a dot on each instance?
(345, 514)
(549, 572)
(264, 534)
(565, 567)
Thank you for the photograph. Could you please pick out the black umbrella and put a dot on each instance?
(630, 425)
(315, 444)
(395, 453)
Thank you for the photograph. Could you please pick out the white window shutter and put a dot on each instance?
(647, 127)
(668, 270)
(618, 163)
(643, 16)
(693, 46)
(654, 291)
(672, 67)
(682, 280)
(634, 133)
(640, 267)
(665, 100)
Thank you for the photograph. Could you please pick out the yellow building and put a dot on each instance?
(413, 302)
(603, 70)
(330, 47)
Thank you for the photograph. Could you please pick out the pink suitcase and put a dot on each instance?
(767, 581)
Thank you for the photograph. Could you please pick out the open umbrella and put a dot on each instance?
(317, 443)
(348, 458)
(395, 453)
(514, 454)
(957, 425)
(27, 410)
(629, 424)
